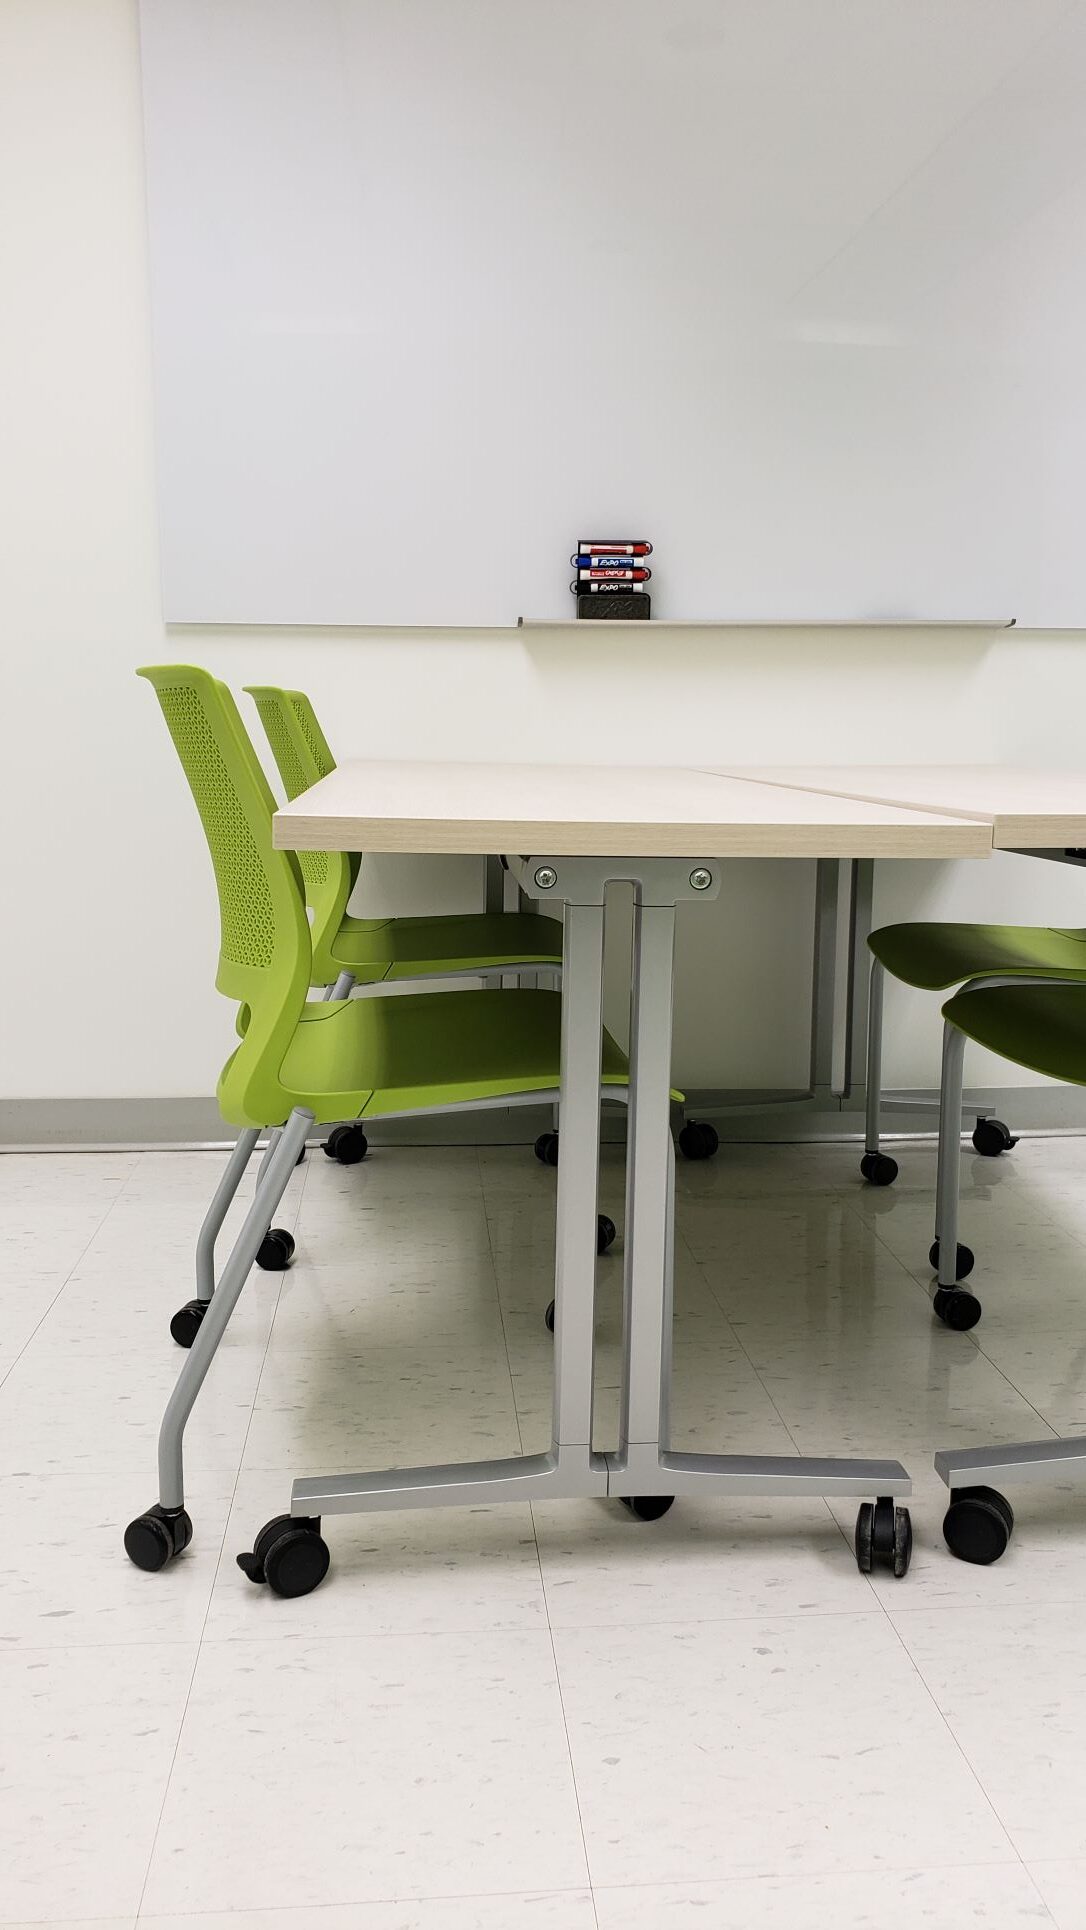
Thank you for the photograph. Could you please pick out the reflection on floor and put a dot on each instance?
(548, 1719)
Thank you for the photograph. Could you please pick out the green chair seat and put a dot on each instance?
(370, 1056)
(422, 947)
(1042, 1027)
(372, 949)
(933, 957)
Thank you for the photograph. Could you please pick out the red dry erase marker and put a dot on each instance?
(612, 575)
(588, 548)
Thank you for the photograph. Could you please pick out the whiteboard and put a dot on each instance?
(795, 289)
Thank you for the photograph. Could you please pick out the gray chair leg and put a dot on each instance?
(217, 1211)
(953, 1303)
(153, 1538)
(874, 1058)
(875, 1165)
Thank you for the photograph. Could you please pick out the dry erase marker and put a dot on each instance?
(611, 574)
(613, 549)
(603, 560)
(601, 589)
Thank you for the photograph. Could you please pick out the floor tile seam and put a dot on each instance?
(839, 1525)
(961, 1752)
(211, 1591)
(74, 1268)
(349, 1903)
(838, 1870)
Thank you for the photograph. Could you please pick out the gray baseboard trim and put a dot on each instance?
(56, 1125)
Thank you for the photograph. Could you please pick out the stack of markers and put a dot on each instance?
(612, 578)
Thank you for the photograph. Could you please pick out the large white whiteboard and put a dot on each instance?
(795, 288)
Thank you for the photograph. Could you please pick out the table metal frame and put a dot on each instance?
(643, 1463)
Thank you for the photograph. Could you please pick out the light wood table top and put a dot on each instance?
(1025, 806)
(581, 810)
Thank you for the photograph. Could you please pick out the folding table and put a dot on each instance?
(662, 831)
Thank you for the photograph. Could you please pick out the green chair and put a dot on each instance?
(299, 1063)
(933, 958)
(1040, 1025)
(348, 950)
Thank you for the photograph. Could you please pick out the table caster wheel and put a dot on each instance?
(978, 1524)
(156, 1537)
(548, 1318)
(346, 1145)
(698, 1140)
(185, 1324)
(605, 1233)
(290, 1554)
(884, 1537)
(965, 1257)
(991, 1137)
(648, 1507)
(276, 1250)
(546, 1148)
(878, 1169)
(957, 1308)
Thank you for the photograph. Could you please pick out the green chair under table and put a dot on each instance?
(365, 951)
(299, 1063)
(1041, 1025)
(936, 957)
(349, 951)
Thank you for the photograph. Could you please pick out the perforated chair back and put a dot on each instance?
(303, 757)
(265, 959)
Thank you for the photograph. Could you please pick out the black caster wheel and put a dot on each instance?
(185, 1324)
(290, 1554)
(155, 1538)
(878, 1169)
(957, 1308)
(548, 1318)
(698, 1140)
(647, 1507)
(884, 1537)
(346, 1145)
(991, 1137)
(605, 1233)
(966, 1259)
(978, 1524)
(275, 1252)
(546, 1148)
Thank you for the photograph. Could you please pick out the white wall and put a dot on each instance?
(109, 922)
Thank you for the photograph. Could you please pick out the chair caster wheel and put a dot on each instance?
(978, 1524)
(878, 1169)
(698, 1140)
(884, 1537)
(156, 1537)
(275, 1252)
(648, 1507)
(991, 1137)
(957, 1308)
(185, 1324)
(548, 1318)
(605, 1233)
(290, 1554)
(346, 1145)
(966, 1260)
(546, 1148)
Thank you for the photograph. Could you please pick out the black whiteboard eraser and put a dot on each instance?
(624, 606)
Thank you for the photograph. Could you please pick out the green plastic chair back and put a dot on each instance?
(265, 957)
(303, 757)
